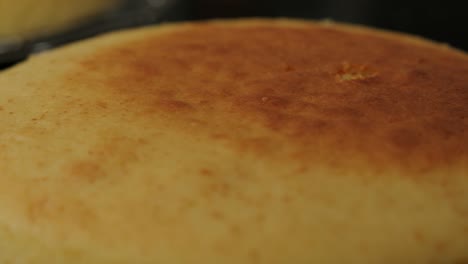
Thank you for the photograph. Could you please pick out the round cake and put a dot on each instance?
(30, 18)
(236, 141)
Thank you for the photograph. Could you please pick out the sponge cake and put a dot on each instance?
(236, 141)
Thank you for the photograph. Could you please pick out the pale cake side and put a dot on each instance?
(249, 141)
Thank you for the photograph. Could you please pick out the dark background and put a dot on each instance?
(444, 21)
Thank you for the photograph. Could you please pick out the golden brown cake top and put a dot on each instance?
(324, 90)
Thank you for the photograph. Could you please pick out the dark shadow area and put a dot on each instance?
(444, 21)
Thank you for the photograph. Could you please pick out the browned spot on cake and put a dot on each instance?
(174, 105)
(418, 236)
(119, 151)
(441, 246)
(317, 90)
(87, 171)
(275, 101)
(36, 208)
(219, 136)
(102, 104)
(289, 68)
(160, 187)
(235, 230)
(260, 218)
(405, 138)
(254, 256)
(286, 199)
(206, 172)
(217, 215)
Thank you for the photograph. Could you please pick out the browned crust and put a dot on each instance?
(320, 90)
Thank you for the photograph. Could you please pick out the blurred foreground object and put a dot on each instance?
(113, 15)
(26, 18)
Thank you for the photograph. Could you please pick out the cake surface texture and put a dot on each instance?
(236, 141)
